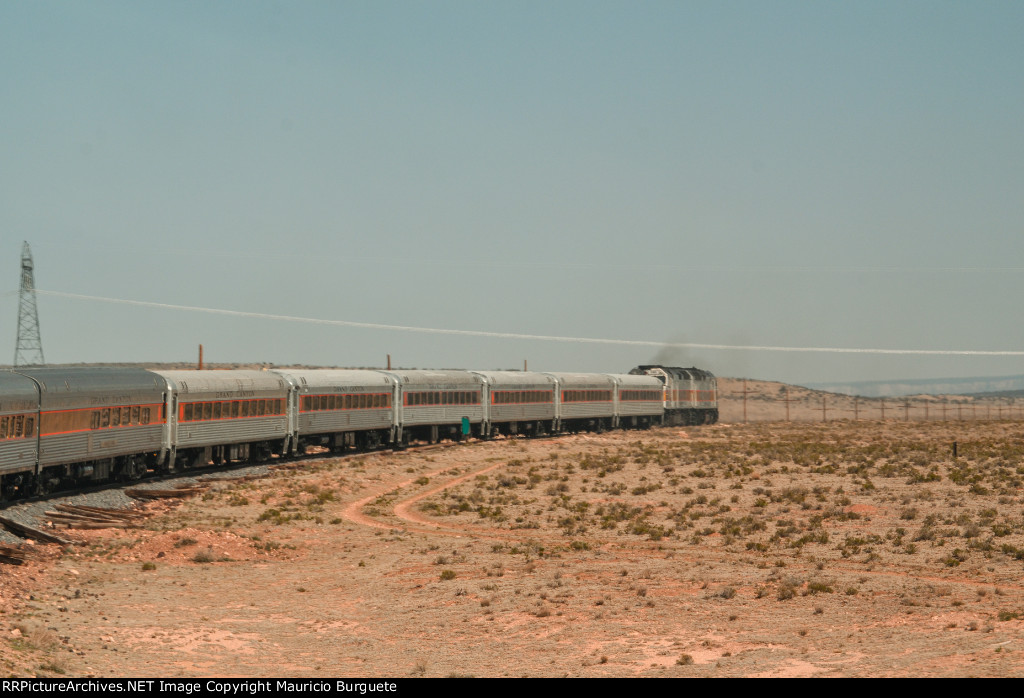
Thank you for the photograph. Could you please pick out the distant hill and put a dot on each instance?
(1004, 386)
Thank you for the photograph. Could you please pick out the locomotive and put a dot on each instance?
(62, 428)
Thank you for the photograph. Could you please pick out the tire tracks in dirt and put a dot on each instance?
(416, 522)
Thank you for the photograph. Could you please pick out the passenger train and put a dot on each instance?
(62, 428)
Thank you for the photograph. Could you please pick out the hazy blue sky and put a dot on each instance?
(770, 173)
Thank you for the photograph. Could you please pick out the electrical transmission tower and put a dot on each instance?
(29, 351)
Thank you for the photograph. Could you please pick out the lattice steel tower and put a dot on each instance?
(29, 351)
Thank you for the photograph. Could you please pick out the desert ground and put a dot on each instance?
(809, 547)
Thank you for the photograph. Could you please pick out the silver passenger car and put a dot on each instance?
(518, 402)
(19, 420)
(638, 401)
(340, 408)
(97, 423)
(225, 416)
(585, 401)
(432, 404)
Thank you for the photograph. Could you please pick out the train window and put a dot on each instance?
(278, 405)
(104, 418)
(235, 408)
(187, 415)
(217, 407)
(145, 415)
(208, 410)
(4, 422)
(115, 417)
(19, 425)
(262, 408)
(245, 408)
(135, 415)
(30, 426)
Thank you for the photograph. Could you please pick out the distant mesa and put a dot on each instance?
(1005, 386)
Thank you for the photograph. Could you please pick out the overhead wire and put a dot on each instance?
(525, 336)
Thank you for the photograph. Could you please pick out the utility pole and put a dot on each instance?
(29, 351)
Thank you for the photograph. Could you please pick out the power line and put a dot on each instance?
(519, 335)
